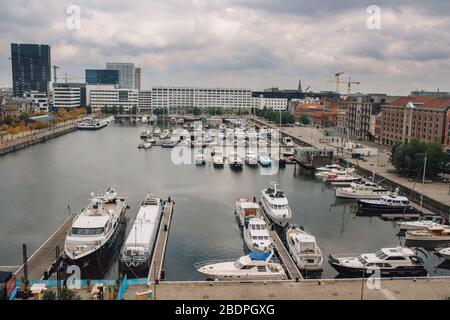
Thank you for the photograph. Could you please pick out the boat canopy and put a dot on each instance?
(258, 256)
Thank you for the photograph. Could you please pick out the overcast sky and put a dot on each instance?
(242, 43)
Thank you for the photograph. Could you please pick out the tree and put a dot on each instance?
(196, 111)
(49, 295)
(134, 110)
(67, 294)
(304, 119)
(8, 120)
(408, 158)
(24, 116)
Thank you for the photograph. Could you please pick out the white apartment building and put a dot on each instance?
(126, 73)
(66, 95)
(276, 104)
(36, 101)
(101, 96)
(178, 99)
(145, 100)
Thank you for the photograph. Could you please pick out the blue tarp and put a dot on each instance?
(258, 256)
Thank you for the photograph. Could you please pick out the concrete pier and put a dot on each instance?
(42, 260)
(157, 262)
(282, 253)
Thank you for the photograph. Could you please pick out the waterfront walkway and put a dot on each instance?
(42, 260)
(156, 265)
(283, 254)
(401, 289)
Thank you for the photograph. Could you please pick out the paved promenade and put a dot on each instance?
(405, 289)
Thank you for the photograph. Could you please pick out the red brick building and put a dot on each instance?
(407, 118)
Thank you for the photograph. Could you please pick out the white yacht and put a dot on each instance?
(275, 204)
(95, 230)
(364, 190)
(138, 247)
(234, 161)
(145, 134)
(147, 145)
(445, 252)
(218, 160)
(165, 134)
(254, 266)
(246, 209)
(251, 158)
(330, 167)
(390, 262)
(342, 180)
(256, 235)
(304, 249)
(289, 147)
(92, 124)
(157, 132)
(325, 174)
(199, 158)
(386, 204)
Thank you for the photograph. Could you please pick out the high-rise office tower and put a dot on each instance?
(126, 73)
(137, 78)
(31, 68)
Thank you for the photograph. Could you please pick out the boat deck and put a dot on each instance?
(157, 262)
(41, 261)
(282, 253)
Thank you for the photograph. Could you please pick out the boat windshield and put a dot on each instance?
(362, 260)
(238, 265)
(87, 231)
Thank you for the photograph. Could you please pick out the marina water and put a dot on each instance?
(39, 185)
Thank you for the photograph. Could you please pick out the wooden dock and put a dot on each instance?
(42, 260)
(282, 253)
(157, 262)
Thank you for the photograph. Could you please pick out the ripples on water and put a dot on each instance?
(38, 183)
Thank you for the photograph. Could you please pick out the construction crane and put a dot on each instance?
(338, 75)
(349, 84)
(55, 67)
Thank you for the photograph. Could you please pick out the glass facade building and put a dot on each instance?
(31, 68)
(102, 76)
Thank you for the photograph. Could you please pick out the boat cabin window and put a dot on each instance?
(381, 255)
(395, 258)
(87, 231)
(362, 260)
(261, 269)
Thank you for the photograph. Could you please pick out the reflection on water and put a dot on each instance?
(38, 183)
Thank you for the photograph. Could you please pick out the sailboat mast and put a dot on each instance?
(423, 179)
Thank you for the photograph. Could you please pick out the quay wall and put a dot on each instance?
(47, 136)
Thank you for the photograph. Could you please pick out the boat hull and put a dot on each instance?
(95, 258)
(140, 270)
(380, 208)
(418, 271)
(351, 195)
(92, 128)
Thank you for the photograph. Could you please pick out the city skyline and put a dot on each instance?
(251, 44)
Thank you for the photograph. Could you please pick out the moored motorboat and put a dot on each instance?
(246, 209)
(433, 235)
(218, 160)
(387, 262)
(256, 235)
(445, 253)
(138, 247)
(386, 204)
(264, 160)
(251, 158)
(420, 225)
(234, 161)
(254, 266)
(92, 124)
(275, 204)
(304, 250)
(364, 190)
(95, 230)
